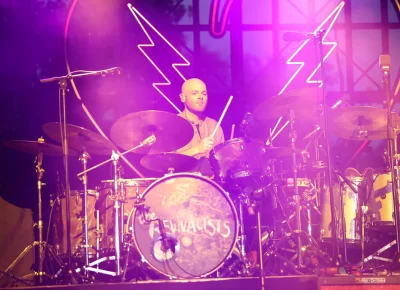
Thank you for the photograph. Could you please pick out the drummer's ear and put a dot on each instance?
(182, 96)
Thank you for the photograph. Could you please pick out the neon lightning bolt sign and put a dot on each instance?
(332, 18)
(185, 62)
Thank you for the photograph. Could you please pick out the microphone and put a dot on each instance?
(384, 63)
(166, 242)
(247, 119)
(149, 140)
(114, 70)
(299, 36)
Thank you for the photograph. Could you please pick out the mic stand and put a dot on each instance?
(62, 82)
(115, 158)
(393, 160)
(336, 259)
(296, 196)
(85, 231)
(117, 236)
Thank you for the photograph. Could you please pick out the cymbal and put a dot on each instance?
(277, 152)
(171, 131)
(359, 123)
(303, 102)
(35, 147)
(162, 162)
(80, 139)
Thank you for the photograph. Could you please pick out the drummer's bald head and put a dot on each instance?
(194, 95)
(191, 84)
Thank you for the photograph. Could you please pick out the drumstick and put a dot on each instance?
(233, 131)
(222, 116)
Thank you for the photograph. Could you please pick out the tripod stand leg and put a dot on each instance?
(12, 265)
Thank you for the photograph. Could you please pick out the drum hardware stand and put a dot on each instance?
(244, 200)
(4, 273)
(296, 197)
(384, 62)
(260, 252)
(118, 237)
(40, 245)
(393, 162)
(115, 158)
(62, 82)
(85, 232)
(318, 38)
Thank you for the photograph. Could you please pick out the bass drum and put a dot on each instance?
(199, 221)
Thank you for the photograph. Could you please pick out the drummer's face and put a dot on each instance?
(195, 96)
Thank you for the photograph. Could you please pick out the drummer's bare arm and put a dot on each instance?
(205, 145)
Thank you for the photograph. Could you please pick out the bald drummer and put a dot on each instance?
(194, 96)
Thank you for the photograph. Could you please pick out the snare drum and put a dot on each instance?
(237, 159)
(200, 223)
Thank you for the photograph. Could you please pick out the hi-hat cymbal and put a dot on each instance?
(303, 102)
(35, 147)
(359, 123)
(163, 162)
(171, 131)
(80, 139)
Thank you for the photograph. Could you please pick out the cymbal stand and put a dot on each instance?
(115, 158)
(39, 253)
(39, 245)
(117, 236)
(393, 158)
(85, 232)
(318, 39)
(296, 197)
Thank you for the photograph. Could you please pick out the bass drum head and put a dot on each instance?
(200, 223)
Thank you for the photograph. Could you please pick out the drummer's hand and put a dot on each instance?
(205, 145)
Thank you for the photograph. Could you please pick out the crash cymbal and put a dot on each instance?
(303, 102)
(277, 152)
(359, 123)
(162, 162)
(35, 147)
(171, 131)
(80, 139)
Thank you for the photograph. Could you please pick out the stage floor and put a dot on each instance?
(306, 282)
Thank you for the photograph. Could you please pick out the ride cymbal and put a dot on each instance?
(35, 147)
(359, 123)
(163, 162)
(171, 131)
(80, 139)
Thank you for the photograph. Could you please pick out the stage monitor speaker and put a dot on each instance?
(359, 283)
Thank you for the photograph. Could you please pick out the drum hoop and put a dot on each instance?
(184, 174)
(232, 141)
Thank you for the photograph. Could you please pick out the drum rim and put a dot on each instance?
(231, 141)
(186, 174)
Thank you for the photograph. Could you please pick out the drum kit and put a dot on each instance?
(186, 225)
